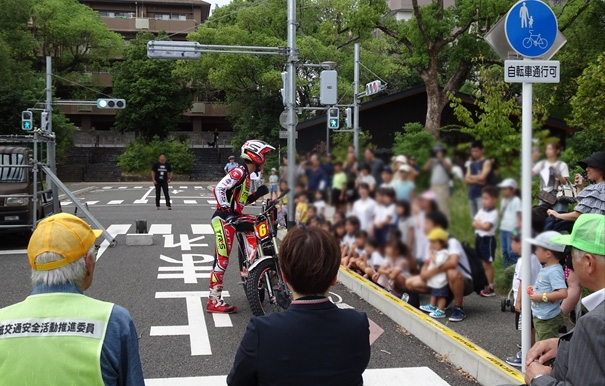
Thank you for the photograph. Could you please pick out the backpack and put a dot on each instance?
(477, 272)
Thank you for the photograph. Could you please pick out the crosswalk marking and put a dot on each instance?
(198, 187)
(65, 203)
(371, 377)
(123, 187)
(138, 187)
(113, 230)
(143, 201)
(211, 202)
(183, 187)
(190, 202)
(201, 229)
(115, 202)
(91, 202)
(107, 187)
(222, 320)
(160, 229)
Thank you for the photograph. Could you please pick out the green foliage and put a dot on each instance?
(589, 101)
(139, 156)
(340, 143)
(415, 141)
(493, 122)
(155, 95)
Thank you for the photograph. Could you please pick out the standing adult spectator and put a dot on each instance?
(440, 167)
(476, 177)
(318, 343)
(591, 199)
(365, 207)
(578, 355)
(328, 168)
(316, 177)
(552, 172)
(283, 169)
(376, 165)
(214, 142)
(414, 169)
(59, 336)
(161, 175)
(404, 188)
(230, 165)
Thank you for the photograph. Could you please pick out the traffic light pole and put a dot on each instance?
(356, 101)
(51, 149)
(291, 108)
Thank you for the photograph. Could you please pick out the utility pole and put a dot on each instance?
(356, 101)
(51, 145)
(291, 108)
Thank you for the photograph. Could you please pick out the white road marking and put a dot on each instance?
(140, 201)
(107, 187)
(211, 202)
(185, 242)
(160, 229)
(371, 377)
(185, 268)
(190, 202)
(138, 187)
(222, 320)
(66, 202)
(91, 202)
(183, 187)
(123, 187)
(201, 229)
(196, 327)
(14, 252)
(143, 200)
(115, 202)
(198, 187)
(114, 230)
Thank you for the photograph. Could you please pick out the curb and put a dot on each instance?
(483, 366)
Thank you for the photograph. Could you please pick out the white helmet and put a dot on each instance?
(255, 151)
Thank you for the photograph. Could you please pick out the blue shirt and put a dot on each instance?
(474, 190)
(549, 279)
(403, 190)
(120, 361)
(230, 166)
(314, 178)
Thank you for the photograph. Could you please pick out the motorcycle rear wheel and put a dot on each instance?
(257, 293)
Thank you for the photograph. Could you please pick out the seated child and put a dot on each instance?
(351, 226)
(339, 232)
(394, 265)
(356, 251)
(438, 284)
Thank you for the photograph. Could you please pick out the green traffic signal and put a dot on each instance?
(334, 123)
(26, 125)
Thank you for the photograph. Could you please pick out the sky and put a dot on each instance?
(220, 3)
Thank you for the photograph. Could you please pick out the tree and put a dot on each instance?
(155, 96)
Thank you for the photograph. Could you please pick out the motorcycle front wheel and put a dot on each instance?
(265, 291)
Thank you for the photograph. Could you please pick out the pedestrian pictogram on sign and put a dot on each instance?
(531, 28)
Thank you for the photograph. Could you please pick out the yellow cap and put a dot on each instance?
(64, 234)
(437, 234)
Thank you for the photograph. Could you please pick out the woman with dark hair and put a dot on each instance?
(591, 199)
(313, 342)
(552, 172)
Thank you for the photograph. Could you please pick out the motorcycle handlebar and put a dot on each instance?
(274, 202)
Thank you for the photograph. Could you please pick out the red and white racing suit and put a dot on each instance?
(232, 194)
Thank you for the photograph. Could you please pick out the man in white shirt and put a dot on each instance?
(510, 213)
(364, 208)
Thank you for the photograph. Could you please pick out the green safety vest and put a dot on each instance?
(53, 339)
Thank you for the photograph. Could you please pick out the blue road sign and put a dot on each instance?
(531, 28)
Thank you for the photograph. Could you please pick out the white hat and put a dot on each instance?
(404, 168)
(543, 240)
(508, 183)
(429, 195)
(402, 159)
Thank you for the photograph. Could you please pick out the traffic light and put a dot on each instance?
(349, 117)
(104, 103)
(45, 121)
(334, 118)
(27, 120)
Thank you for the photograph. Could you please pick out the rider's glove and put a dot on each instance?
(261, 191)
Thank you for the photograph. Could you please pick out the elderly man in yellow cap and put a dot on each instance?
(57, 335)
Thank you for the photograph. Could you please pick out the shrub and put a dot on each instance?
(416, 141)
(139, 156)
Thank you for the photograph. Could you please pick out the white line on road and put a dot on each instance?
(371, 377)
(211, 202)
(91, 202)
(106, 187)
(160, 229)
(138, 187)
(65, 202)
(113, 230)
(123, 187)
(190, 202)
(201, 229)
(115, 202)
(143, 200)
(222, 320)
(183, 187)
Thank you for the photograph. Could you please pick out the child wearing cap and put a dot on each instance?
(438, 284)
(510, 213)
(273, 180)
(485, 223)
(549, 289)
(515, 245)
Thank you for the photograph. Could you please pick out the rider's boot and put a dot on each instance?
(216, 304)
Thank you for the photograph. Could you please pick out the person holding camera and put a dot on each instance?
(440, 167)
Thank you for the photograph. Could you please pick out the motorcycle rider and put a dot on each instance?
(232, 194)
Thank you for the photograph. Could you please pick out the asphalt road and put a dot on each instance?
(177, 338)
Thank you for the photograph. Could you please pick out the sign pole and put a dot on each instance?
(356, 101)
(526, 169)
(327, 137)
(51, 148)
(291, 109)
